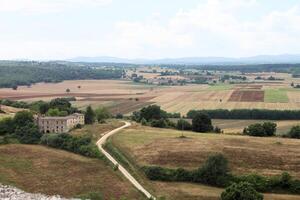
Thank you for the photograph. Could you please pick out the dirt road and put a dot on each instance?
(102, 141)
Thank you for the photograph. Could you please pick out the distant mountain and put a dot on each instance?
(261, 59)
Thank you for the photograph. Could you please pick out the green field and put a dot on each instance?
(276, 96)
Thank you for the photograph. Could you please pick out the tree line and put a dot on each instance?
(249, 114)
(215, 172)
(14, 73)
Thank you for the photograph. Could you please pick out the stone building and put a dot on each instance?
(59, 124)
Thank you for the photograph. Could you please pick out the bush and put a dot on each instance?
(119, 116)
(7, 126)
(294, 132)
(261, 130)
(161, 123)
(241, 191)
(183, 125)
(102, 114)
(80, 145)
(28, 134)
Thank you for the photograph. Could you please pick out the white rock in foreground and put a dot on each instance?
(12, 193)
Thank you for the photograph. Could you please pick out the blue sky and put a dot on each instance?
(59, 29)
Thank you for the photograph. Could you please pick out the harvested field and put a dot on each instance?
(247, 96)
(38, 169)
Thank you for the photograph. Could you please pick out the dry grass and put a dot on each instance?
(232, 126)
(96, 131)
(38, 169)
(151, 146)
(268, 156)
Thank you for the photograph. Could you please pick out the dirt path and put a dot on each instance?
(102, 141)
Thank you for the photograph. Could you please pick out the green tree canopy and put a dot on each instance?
(201, 123)
(241, 191)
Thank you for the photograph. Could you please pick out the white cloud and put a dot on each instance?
(214, 28)
(45, 6)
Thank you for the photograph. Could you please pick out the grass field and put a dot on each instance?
(38, 169)
(276, 96)
(163, 147)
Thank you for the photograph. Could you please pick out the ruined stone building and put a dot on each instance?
(48, 124)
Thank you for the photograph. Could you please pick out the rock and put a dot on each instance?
(12, 193)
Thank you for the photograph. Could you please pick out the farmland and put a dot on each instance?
(124, 96)
(145, 146)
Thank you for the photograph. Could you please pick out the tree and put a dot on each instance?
(201, 123)
(22, 118)
(294, 132)
(89, 115)
(254, 130)
(183, 125)
(152, 112)
(102, 114)
(14, 87)
(269, 128)
(214, 171)
(241, 191)
(28, 134)
(68, 90)
(7, 126)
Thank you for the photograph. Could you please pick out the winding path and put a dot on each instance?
(102, 141)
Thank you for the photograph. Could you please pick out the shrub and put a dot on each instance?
(80, 145)
(102, 114)
(183, 125)
(294, 132)
(28, 134)
(241, 191)
(7, 126)
(261, 130)
(161, 123)
(258, 182)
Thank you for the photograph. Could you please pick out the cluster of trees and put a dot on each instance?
(81, 145)
(215, 172)
(21, 128)
(232, 77)
(294, 132)
(100, 115)
(265, 129)
(14, 73)
(249, 114)
(56, 107)
(154, 116)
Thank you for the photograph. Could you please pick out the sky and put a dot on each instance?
(62, 29)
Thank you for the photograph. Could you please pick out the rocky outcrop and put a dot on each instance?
(12, 193)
